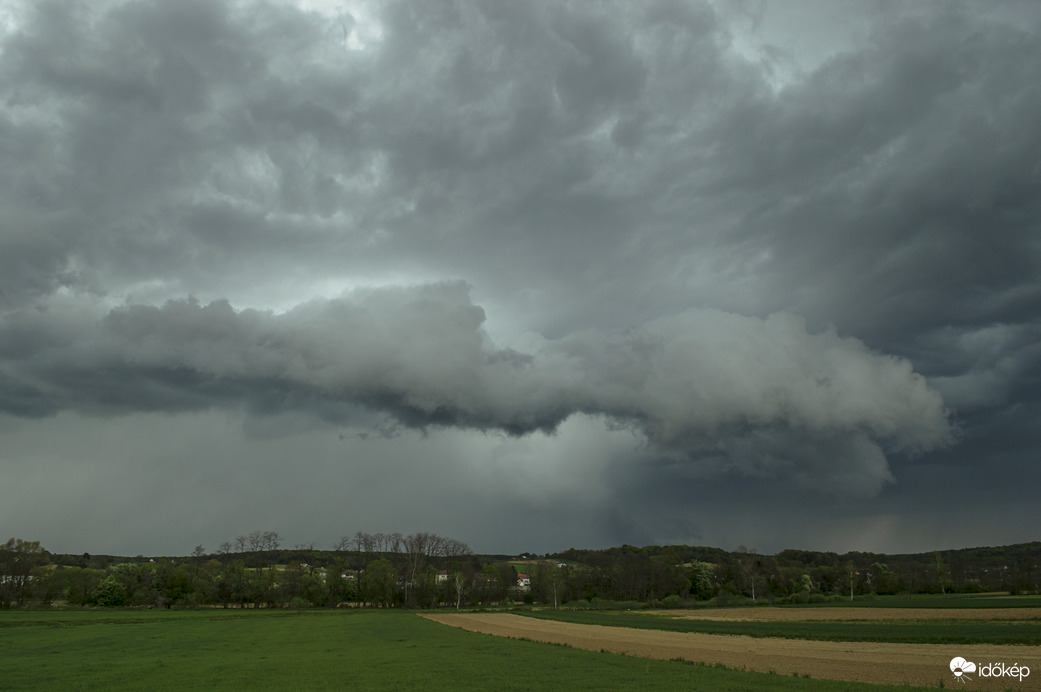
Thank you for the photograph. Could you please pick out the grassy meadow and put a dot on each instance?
(993, 601)
(1001, 629)
(322, 649)
(934, 631)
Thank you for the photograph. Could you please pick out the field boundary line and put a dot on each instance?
(871, 662)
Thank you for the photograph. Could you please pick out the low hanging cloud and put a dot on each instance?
(766, 396)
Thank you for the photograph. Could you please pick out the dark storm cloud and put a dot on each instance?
(804, 274)
(126, 120)
(466, 138)
(761, 393)
(913, 177)
(543, 148)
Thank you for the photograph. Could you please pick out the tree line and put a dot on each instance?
(425, 570)
(633, 573)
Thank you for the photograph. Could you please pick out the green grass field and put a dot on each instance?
(316, 650)
(1001, 630)
(939, 631)
(980, 600)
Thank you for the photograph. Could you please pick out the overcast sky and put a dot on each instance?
(529, 275)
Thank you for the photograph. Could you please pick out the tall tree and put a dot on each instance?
(270, 540)
(418, 548)
(17, 560)
(378, 582)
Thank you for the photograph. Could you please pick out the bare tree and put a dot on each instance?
(271, 540)
(460, 584)
(549, 581)
(420, 548)
(417, 548)
(455, 549)
(17, 560)
(364, 543)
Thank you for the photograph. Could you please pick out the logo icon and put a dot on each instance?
(959, 666)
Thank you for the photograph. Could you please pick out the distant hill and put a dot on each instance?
(400, 576)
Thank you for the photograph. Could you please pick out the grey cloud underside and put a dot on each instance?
(699, 382)
(533, 150)
(748, 261)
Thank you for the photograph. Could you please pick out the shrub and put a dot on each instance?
(673, 601)
(109, 592)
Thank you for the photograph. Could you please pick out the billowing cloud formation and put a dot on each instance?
(709, 244)
(537, 150)
(700, 382)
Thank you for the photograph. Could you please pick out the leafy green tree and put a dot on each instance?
(883, 580)
(826, 578)
(174, 583)
(505, 580)
(262, 587)
(427, 591)
(805, 583)
(18, 558)
(110, 592)
(138, 583)
(230, 584)
(313, 589)
(302, 584)
(75, 585)
(352, 588)
(204, 582)
(379, 583)
(701, 580)
(486, 585)
(337, 587)
(666, 577)
(291, 582)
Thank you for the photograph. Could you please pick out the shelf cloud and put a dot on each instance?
(671, 271)
(700, 381)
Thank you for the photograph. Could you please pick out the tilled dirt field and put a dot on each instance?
(898, 664)
(804, 614)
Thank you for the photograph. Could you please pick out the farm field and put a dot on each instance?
(976, 601)
(890, 645)
(843, 624)
(773, 614)
(316, 650)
